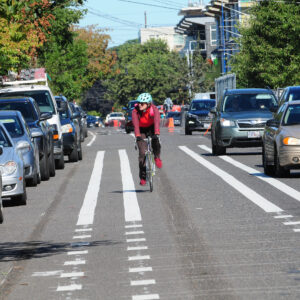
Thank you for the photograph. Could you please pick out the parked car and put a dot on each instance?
(176, 115)
(281, 141)
(12, 168)
(39, 127)
(19, 131)
(71, 129)
(76, 117)
(198, 117)
(240, 117)
(46, 102)
(91, 121)
(1, 211)
(83, 121)
(118, 116)
(290, 93)
(128, 115)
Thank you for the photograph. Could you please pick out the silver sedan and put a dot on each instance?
(12, 167)
(281, 141)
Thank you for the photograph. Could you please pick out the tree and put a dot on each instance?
(150, 67)
(269, 46)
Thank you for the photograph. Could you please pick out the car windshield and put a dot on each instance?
(202, 105)
(42, 98)
(12, 125)
(25, 108)
(292, 115)
(116, 115)
(294, 95)
(248, 102)
(173, 114)
(4, 141)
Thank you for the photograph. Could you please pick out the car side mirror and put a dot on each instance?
(63, 106)
(76, 115)
(23, 145)
(36, 134)
(45, 116)
(213, 110)
(272, 123)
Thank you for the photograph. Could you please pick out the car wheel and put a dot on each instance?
(1, 214)
(187, 131)
(86, 134)
(22, 198)
(73, 156)
(44, 167)
(279, 170)
(81, 136)
(34, 180)
(216, 149)
(80, 152)
(60, 163)
(51, 164)
(268, 170)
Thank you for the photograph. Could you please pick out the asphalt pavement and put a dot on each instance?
(213, 228)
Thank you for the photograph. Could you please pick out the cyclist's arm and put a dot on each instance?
(136, 123)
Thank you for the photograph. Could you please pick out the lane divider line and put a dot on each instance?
(272, 181)
(72, 274)
(139, 257)
(93, 139)
(86, 214)
(136, 248)
(82, 236)
(140, 270)
(142, 282)
(146, 297)
(134, 232)
(67, 288)
(250, 194)
(131, 206)
(136, 240)
(78, 252)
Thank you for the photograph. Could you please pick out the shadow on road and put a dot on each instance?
(14, 251)
(130, 191)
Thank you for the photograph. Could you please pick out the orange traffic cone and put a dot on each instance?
(171, 123)
(116, 123)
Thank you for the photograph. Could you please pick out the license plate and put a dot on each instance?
(206, 125)
(176, 122)
(253, 134)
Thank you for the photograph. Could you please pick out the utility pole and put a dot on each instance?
(145, 19)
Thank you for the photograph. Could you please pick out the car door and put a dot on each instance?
(271, 133)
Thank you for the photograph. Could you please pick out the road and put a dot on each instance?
(213, 228)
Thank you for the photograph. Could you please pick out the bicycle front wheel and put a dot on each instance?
(149, 170)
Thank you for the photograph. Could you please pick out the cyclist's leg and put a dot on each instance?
(142, 145)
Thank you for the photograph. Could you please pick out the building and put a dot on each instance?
(174, 40)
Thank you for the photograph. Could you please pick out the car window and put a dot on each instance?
(132, 104)
(202, 105)
(63, 114)
(42, 98)
(12, 125)
(248, 102)
(4, 141)
(25, 108)
(292, 115)
(294, 95)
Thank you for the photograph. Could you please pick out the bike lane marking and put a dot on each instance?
(133, 221)
(250, 194)
(93, 139)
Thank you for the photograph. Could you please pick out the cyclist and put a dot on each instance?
(146, 119)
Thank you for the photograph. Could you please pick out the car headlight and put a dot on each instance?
(227, 123)
(9, 168)
(67, 128)
(291, 141)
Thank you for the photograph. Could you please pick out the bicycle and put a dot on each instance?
(150, 163)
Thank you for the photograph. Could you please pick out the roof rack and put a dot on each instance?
(31, 76)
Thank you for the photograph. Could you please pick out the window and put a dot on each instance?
(213, 35)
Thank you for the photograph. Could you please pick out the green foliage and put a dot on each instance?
(94, 113)
(150, 67)
(67, 68)
(269, 46)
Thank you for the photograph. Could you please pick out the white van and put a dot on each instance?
(46, 102)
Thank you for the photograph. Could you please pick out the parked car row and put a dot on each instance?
(255, 117)
(36, 131)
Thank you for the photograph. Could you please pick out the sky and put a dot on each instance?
(124, 18)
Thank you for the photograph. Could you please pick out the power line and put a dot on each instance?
(166, 7)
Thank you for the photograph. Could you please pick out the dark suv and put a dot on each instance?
(240, 117)
(39, 127)
(128, 117)
(198, 117)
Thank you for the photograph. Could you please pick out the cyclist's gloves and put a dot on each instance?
(138, 138)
